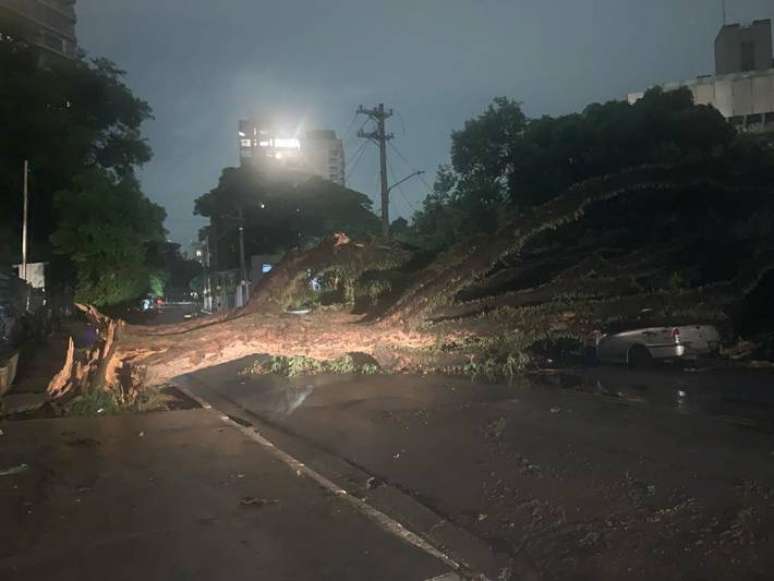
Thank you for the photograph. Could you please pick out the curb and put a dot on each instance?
(395, 511)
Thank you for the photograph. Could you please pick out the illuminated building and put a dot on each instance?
(262, 145)
(318, 152)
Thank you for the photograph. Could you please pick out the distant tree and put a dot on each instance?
(174, 272)
(441, 220)
(399, 228)
(105, 227)
(662, 127)
(504, 164)
(280, 212)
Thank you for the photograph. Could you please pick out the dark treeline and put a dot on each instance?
(78, 125)
(504, 164)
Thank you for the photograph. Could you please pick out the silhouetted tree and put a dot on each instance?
(280, 212)
(64, 117)
(504, 164)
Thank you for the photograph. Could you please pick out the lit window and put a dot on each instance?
(287, 143)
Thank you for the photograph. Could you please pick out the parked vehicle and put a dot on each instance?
(640, 347)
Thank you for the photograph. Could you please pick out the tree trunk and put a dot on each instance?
(127, 358)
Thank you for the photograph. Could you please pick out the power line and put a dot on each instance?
(402, 122)
(412, 168)
(351, 124)
(357, 157)
(348, 140)
(400, 189)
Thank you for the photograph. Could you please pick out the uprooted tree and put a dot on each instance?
(646, 246)
(664, 242)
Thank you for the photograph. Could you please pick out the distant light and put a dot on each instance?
(266, 268)
(264, 143)
(278, 155)
(263, 205)
(242, 134)
(199, 253)
(287, 143)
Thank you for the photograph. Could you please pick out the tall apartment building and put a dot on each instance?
(742, 88)
(318, 152)
(47, 24)
(323, 153)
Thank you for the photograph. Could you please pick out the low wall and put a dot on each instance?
(8, 367)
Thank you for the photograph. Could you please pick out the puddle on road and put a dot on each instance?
(736, 396)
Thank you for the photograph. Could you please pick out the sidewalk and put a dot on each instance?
(177, 496)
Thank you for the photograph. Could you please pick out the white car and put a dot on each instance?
(639, 347)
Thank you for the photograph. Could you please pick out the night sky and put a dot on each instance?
(203, 65)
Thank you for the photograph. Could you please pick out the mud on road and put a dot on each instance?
(576, 484)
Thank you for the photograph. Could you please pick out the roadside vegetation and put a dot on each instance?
(79, 126)
(299, 366)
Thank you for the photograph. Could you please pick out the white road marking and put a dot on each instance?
(385, 522)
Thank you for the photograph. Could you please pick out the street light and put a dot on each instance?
(407, 178)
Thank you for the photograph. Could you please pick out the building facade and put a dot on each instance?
(47, 24)
(323, 154)
(741, 49)
(318, 152)
(261, 144)
(742, 89)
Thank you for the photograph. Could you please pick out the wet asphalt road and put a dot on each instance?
(177, 496)
(610, 475)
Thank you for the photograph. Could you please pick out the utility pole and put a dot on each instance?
(25, 217)
(25, 221)
(206, 264)
(242, 266)
(381, 137)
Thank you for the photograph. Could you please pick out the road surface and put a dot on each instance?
(614, 477)
(178, 496)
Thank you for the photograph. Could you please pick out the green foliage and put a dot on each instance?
(173, 273)
(104, 225)
(156, 284)
(504, 164)
(300, 365)
(95, 402)
(281, 211)
(677, 281)
(496, 357)
(63, 118)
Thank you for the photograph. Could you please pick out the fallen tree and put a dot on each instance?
(613, 251)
